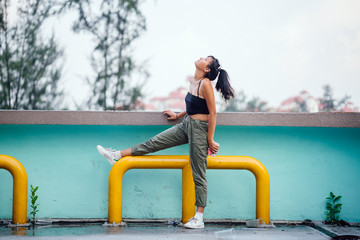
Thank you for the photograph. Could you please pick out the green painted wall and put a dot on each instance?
(304, 164)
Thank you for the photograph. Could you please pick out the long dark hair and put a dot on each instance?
(223, 83)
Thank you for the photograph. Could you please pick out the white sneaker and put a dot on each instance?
(108, 153)
(194, 223)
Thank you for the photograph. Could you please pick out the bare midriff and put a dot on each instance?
(201, 117)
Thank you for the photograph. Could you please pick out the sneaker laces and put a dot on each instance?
(113, 153)
(110, 150)
(193, 219)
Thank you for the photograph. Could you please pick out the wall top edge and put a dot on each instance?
(335, 119)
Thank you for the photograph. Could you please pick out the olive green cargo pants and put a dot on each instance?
(189, 131)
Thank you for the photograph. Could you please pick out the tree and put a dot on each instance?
(1, 15)
(301, 105)
(327, 100)
(114, 25)
(236, 104)
(29, 69)
(256, 105)
(240, 104)
(328, 103)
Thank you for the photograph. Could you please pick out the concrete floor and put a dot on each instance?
(160, 231)
(335, 230)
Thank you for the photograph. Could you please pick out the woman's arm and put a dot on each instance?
(210, 101)
(174, 116)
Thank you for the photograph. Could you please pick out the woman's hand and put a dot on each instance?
(214, 146)
(171, 114)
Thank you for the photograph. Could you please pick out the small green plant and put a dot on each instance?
(333, 208)
(34, 206)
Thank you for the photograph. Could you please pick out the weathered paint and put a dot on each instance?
(304, 164)
(19, 175)
(188, 187)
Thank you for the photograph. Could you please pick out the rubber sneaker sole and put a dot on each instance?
(190, 226)
(194, 227)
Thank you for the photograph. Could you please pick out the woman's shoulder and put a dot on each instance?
(206, 87)
(206, 82)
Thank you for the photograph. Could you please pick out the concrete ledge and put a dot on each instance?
(343, 120)
(335, 230)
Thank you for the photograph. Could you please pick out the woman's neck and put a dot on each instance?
(199, 75)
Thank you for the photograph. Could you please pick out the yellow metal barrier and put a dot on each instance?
(188, 187)
(261, 176)
(19, 175)
(169, 162)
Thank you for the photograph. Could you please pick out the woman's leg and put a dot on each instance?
(126, 152)
(171, 137)
(198, 147)
(200, 209)
(197, 132)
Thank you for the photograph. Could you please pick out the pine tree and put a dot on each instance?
(329, 103)
(29, 68)
(114, 25)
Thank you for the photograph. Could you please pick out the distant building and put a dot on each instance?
(349, 107)
(307, 103)
(175, 101)
(302, 103)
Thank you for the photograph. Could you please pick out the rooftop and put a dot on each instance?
(162, 230)
(298, 149)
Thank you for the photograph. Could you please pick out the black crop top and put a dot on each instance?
(195, 104)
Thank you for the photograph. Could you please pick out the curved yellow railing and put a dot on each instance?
(188, 195)
(170, 162)
(19, 175)
(261, 176)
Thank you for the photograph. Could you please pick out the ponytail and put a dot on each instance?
(223, 83)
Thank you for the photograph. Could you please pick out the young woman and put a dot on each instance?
(197, 129)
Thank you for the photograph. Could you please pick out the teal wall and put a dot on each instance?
(304, 163)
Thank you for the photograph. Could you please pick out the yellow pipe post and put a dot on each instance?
(19, 175)
(131, 162)
(188, 188)
(261, 176)
(188, 193)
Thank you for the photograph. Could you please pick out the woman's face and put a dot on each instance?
(203, 63)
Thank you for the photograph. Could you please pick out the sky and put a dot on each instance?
(272, 49)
